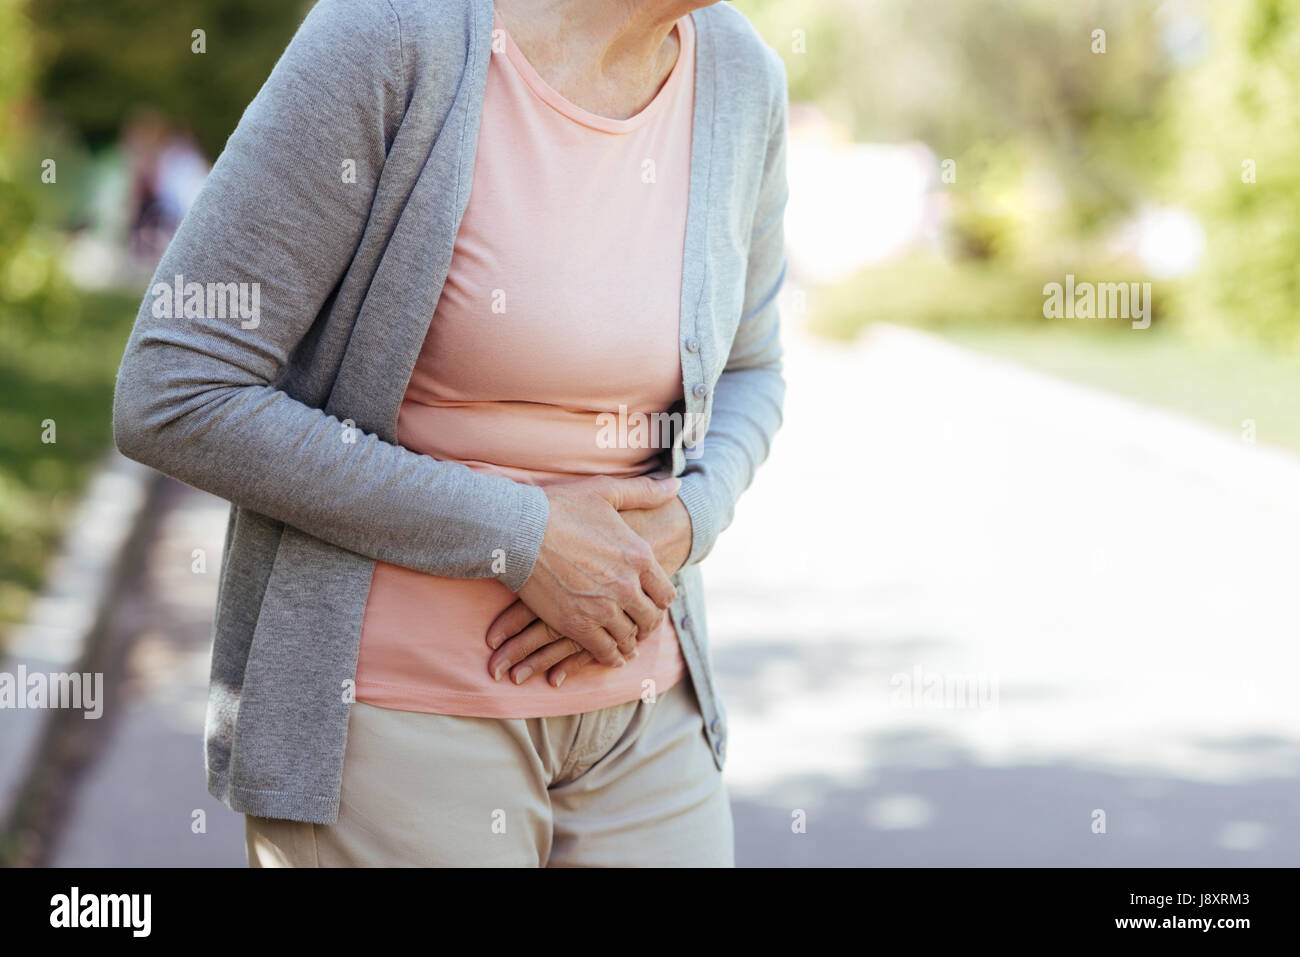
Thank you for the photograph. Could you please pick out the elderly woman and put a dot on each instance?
(453, 258)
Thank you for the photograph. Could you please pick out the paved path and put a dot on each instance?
(136, 803)
(1123, 580)
(963, 608)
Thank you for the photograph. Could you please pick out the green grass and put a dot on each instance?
(57, 362)
(1224, 383)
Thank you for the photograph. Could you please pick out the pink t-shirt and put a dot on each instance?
(562, 303)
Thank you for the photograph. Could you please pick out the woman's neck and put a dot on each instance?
(608, 56)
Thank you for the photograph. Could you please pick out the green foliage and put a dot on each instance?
(946, 294)
(101, 60)
(15, 66)
(1054, 142)
(58, 358)
(1238, 106)
(17, 208)
(974, 78)
(925, 291)
(58, 349)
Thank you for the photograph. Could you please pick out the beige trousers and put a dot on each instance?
(630, 785)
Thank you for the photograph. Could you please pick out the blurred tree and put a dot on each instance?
(16, 211)
(1238, 118)
(15, 63)
(1052, 138)
(102, 60)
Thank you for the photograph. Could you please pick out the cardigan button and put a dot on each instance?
(720, 747)
(700, 390)
(686, 621)
(716, 726)
(692, 344)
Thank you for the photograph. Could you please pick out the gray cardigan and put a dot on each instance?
(336, 201)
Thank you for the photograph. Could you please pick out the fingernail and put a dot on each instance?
(559, 679)
(632, 655)
(493, 640)
(523, 674)
(501, 669)
(621, 663)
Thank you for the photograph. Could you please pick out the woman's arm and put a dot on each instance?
(195, 395)
(748, 396)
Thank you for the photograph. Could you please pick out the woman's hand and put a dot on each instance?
(666, 529)
(595, 580)
(524, 645)
(532, 648)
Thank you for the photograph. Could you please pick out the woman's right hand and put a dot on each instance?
(595, 580)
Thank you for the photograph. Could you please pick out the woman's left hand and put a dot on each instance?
(523, 645)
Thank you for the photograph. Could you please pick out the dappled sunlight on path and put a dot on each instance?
(961, 592)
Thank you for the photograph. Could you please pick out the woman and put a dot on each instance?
(452, 260)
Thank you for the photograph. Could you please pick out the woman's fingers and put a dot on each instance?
(516, 649)
(509, 623)
(660, 590)
(574, 663)
(601, 644)
(538, 647)
(540, 660)
(626, 637)
(647, 618)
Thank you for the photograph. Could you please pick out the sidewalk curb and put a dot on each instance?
(105, 536)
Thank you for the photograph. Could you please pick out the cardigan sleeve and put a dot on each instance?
(279, 220)
(748, 396)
